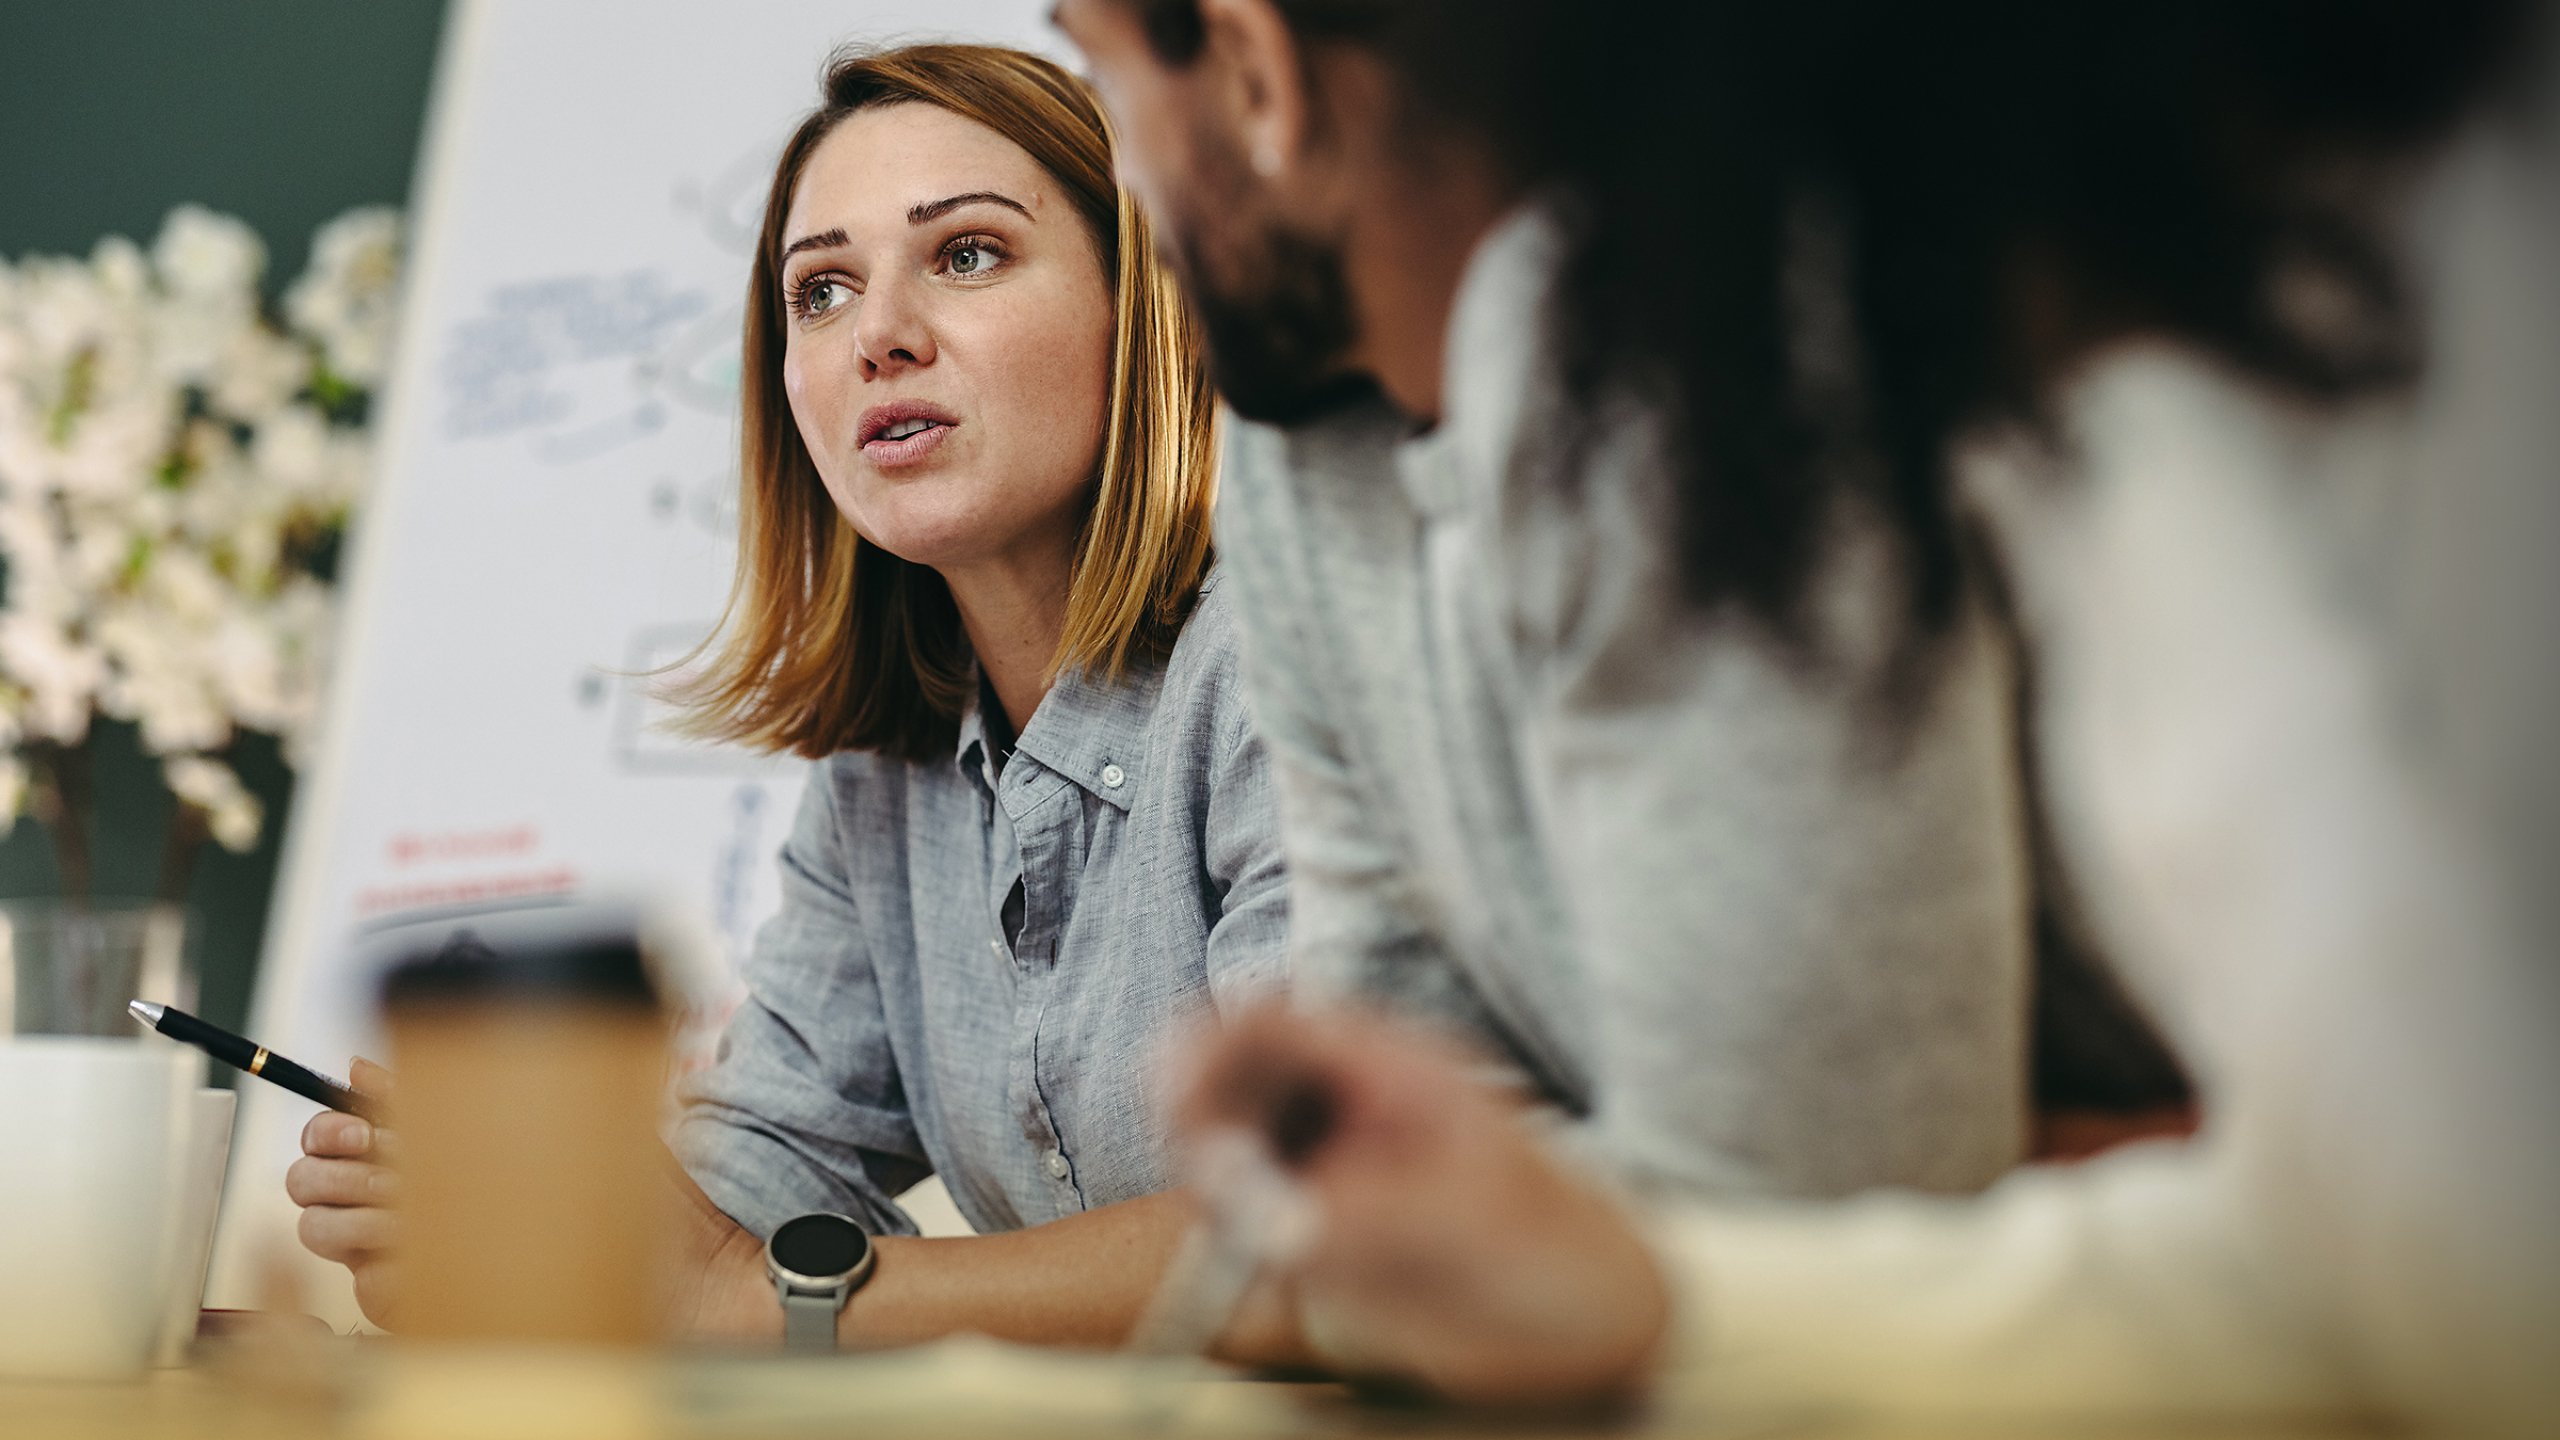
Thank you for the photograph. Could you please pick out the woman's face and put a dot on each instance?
(948, 339)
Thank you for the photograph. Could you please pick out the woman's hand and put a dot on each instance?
(1449, 1248)
(348, 1187)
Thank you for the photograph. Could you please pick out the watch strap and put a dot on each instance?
(809, 1319)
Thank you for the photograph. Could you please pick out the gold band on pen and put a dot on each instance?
(258, 1061)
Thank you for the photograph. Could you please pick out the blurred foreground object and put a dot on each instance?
(961, 1387)
(176, 469)
(1438, 1243)
(531, 1048)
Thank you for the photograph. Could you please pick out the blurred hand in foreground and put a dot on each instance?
(349, 1192)
(1448, 1248)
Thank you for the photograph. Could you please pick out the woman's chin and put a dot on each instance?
(960, 531)
(932, 553)
(948, 546)
(950, 532)
(963, 517)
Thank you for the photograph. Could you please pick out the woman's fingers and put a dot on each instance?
(338, 1136)
(315, 1181)
(347, 1235)
(345, 1184)
(378, 1291)
(333, 1135)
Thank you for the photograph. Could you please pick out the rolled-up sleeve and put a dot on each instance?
(803, 1109)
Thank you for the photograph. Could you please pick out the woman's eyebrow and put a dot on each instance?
(936, 209)
(818, 241)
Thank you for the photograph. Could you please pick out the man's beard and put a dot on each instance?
(1279, 332)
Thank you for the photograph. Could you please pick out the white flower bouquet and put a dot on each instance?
(177, 465)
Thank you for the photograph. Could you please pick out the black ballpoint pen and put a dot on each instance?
(248, 1055)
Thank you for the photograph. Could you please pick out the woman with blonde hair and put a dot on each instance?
(976, 588)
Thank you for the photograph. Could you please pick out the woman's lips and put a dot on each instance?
(890, 454)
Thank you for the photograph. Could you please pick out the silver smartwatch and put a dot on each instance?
(817, 1261)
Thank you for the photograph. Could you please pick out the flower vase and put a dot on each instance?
(71, 968)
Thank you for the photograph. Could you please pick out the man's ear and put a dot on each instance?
(1265, 77)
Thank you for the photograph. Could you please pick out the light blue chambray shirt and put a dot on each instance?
(973, 972)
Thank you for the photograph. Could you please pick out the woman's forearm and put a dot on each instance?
(1077, 1281)
(1081, 1281)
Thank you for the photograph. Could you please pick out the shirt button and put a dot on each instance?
(998, 947)
(1057, 1164)
(1113, 777)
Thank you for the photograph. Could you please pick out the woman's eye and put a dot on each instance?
(819, 296)
(970, 258)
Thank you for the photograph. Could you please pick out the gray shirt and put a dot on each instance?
(1763, 942)
(973, 970)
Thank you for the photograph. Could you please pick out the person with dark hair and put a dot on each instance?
(2215, 341)
(1763, 917)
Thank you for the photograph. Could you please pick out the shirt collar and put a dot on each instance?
(969, 749)
(1090, 730)
(1495, 344)
(1094, 732)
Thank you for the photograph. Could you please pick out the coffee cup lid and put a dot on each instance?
(579, 953)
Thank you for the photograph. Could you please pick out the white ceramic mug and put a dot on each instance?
(198, 1201)
(91, 1164)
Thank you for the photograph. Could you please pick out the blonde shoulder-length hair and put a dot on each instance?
(830, 643)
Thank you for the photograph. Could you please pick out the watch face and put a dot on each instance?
(819, 1247)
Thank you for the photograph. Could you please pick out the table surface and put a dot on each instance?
(380, 1391)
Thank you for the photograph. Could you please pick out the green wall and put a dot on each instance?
(283, 112)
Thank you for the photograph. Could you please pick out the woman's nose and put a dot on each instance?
(891, 332)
